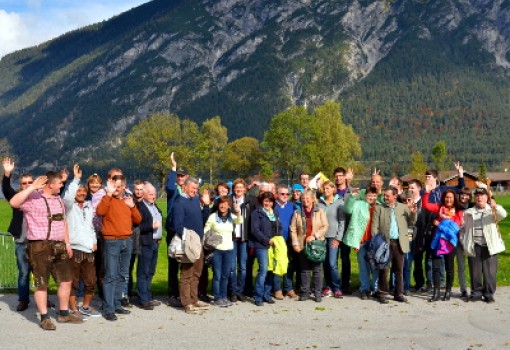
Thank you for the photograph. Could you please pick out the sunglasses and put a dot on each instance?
(283, 194)
(27, 182)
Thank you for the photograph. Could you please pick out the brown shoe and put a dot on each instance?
(69, 319)
(190, 309)
(22, 306)
(291, 294)
(278, 295)
(47, 325)
(200, 305)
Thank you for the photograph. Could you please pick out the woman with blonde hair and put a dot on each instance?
(308, 224)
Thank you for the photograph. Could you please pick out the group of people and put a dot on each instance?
(89, 236)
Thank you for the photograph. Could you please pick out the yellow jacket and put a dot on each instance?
(278, 259)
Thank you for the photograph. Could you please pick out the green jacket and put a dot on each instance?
(359, 211)
(278, 259)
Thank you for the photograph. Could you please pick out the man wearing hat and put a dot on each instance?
(482, 243)
(173, 188)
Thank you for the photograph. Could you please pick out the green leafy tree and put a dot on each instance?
(150, 142)
(440, 155)
(482, 175)
(290, 141)
(243, 156)
(213, 140)
(418, 166)
(336, 143)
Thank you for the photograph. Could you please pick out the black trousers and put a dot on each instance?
(345, 252)
(449, 264)
(482, 270)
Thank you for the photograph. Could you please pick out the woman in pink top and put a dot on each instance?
(449, 209)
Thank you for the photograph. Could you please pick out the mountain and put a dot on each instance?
(408, 73)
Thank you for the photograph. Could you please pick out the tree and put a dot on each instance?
(213, 140)
(418, 166)
(482, 175)
(150, 143)
(440, 155)
(337, 143)
(290, 140)
(242, 156)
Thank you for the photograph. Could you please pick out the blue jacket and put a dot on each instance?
(187, 213)
(261, 231)
(172, 192)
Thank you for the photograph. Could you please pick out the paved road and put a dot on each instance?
(349, 323)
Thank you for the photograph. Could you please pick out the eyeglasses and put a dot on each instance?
(283, 194)
(27, 182)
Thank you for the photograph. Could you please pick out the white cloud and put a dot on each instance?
(40, 21)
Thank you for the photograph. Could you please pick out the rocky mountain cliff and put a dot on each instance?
(408, 73)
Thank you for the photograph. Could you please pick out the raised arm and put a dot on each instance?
(20, 197)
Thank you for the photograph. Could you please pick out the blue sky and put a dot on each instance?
(25, 23)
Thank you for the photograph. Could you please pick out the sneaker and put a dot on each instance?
(110, 317)
(407, 293)
(70, 318)
(233, 298)
(338, 295)
(327, 292)
(155, 302)
(205, 298)
(221, 303)
(318, 298)
(22, 306)
(190, 309)
(364, 295)
(383, 300)
(122, 311)
(89, 311)
(47, 325)
(200, 305)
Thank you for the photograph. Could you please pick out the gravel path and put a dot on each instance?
(348, 323)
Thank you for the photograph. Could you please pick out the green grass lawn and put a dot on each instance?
(159, 285)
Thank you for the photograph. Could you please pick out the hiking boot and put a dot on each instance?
(22, 306)
(70, 318)
(47, 325)
(278, 295)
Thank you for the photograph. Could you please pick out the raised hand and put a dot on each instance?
(376, 172)
(129, 201)
(77, 171)
(40, 182)
(481, 184)
(8, 166)
(64, 174)
(110, 187)
(460, 168)
(206, 198)
(172, 161)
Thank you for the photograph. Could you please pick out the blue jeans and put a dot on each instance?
(238, 267)
(117, 255)
(262, 283)
(147, 261)
(222, 267)
(331, 274)
(368, 277)
(408, 262)
(23, 272)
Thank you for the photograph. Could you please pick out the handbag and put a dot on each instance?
(316, 250)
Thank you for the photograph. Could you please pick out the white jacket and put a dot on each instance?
(491, 234)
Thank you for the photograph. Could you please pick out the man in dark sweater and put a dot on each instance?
(187, 213)
(20, 237)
